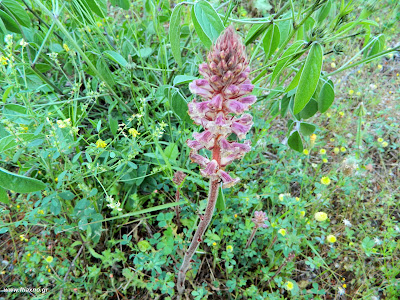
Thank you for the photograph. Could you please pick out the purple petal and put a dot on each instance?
(235, 106)
(198, 159)
(240, 130)
(210, 169)
(195, 145)
(203, 137)
(248, 100)
(228, 181)
(216, 101)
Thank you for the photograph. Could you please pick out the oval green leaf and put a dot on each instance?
(271, 40)
(9, 23)
(326, 97)
(18, 12)
(174, 34)
(307, 128)
(180, 107)
(19, 183)
(309, 78)
(295, 142)
(3, 196)
(208, 20)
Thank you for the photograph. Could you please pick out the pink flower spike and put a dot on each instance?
(227, 159)
(260, 218)
(228, 181)
(210, 169)
(197, 158)
(224, 144)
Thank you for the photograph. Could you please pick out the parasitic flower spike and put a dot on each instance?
(223, 95)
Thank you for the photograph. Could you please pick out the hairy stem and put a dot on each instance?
(197, 238)
(253, 233)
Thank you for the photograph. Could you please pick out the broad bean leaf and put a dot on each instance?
(309, 78)
(19, 183)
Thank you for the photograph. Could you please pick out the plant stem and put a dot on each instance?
(253, 233)
(197, 238)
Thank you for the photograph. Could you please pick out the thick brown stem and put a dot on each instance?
(197, 238)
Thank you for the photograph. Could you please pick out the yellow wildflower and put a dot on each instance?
(385, 144)
(313, 137)
(306, 152)
(302, 213)
(229, 248)
(343, 149)
(133, 132)
(351, 92)
(331, 238)
(101, 144)
(66, 48)
(380, 140)
(49, 259)
(282, 231)
(322, 151)
(320, 216)
(324, 160)
(325, 180)
(336, 150)
(214, 244)
(289, 285)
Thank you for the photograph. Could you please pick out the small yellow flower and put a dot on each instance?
(235, 215)
(4, 60)
(342, 149)
(324, 160)
(359, 71)
(297, 199)
(101, 144)
(66, 48)
(273, 224)
(380, 66)
(306, 152)
(28, 254)
(214, 244)
(351, 92)
(133, 132)
(41, 212)
(229, 248)
(258, 58)
(377, 19)
(302, 213)
(322, 151)
(49, 259)
(385, 144)
(99, 24)
(289, 285)
(341, 113)
(344, 286)
(380, 140)
(328, 115)
(325, 180)
(331, 238)
(336, 150)
(281, 196)
(320, 216)
(358, 93)
(56, 179)
(313, 137)
(48, 270)
(18, 206)
(333, 65)
(282, 231)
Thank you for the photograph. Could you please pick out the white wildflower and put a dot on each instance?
(347, 223)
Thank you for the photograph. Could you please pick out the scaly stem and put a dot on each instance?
(197, 238)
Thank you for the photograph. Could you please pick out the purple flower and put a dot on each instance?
(224, 92)
(260, 218)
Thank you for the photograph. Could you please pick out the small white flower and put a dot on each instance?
(341, 291)
(397, 228)
(377, 241)
(347, 223)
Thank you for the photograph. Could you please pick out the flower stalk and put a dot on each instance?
(224, 93)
